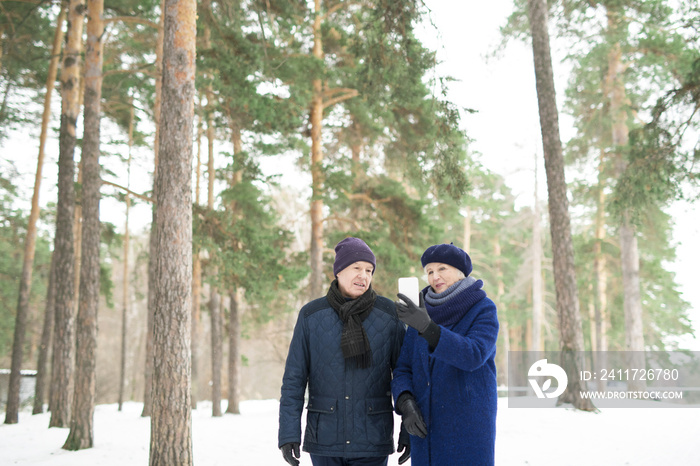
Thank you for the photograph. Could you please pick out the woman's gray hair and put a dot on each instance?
(460, 274)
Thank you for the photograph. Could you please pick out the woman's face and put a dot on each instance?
(442, 276)
(355, 279)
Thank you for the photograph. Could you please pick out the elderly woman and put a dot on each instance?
(445, 379)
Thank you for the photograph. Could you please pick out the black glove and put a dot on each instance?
(411, 416)
(404, 445)
(412, 315)
(287, 450)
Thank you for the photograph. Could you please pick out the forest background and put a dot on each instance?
(408, 158)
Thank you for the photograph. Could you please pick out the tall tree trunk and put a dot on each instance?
(355, 142)
(600, 279)
(234, 357)
(46, 333)
(64, 330)
(171, 419)
(214, 297)
(78, 237)
(356, 151)
(78, 214)
(196, 325)
(216, 351)
(150, 350)
(235, 294)
(467, 224)
(49, 317)
(537, 341)
(316, 117)
(25, 283)
(317, 279)
(570, 327)
(211, 171)
(634, 330)
(125, 269)
(209, 112)
(196, 281)
(151, 299)
(81, 429)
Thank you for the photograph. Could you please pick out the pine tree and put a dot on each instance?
(150, 349)
(570, 328)
(64, 331)
(171, 422)
(81, 427)
(11, 414)
(611, 95)
(46, 337)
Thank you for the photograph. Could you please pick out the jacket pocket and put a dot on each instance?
(380, 420)
(322, 420)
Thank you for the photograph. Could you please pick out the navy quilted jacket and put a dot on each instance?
(349, 410)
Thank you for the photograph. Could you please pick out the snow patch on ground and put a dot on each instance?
(643, 436)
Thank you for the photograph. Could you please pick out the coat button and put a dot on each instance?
(348, 442)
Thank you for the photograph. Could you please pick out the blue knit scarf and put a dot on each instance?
(448, 308)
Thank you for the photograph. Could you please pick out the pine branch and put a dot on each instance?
(131, 19)
(366, 198)
(349, 94)
(127, 190)
(337, 7)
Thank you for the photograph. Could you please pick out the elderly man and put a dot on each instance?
(344, 348)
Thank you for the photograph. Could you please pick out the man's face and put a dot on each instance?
(355, 279)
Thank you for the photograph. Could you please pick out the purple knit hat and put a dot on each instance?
(351, 250)
(448, 254)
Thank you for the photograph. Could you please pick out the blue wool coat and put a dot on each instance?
(455, 388)
(349, 410)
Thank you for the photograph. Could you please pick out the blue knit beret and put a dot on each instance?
(351, 250)
(448, 254)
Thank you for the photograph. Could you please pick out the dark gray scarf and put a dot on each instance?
(450, 306)
(354, 341)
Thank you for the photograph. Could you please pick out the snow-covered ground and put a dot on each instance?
(540, 437)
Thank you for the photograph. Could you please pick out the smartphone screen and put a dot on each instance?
(409, 286)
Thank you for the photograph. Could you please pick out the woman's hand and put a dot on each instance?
(412, 315)
(411, 417)
(404, 444)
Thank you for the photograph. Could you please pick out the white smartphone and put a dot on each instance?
(408, 286)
